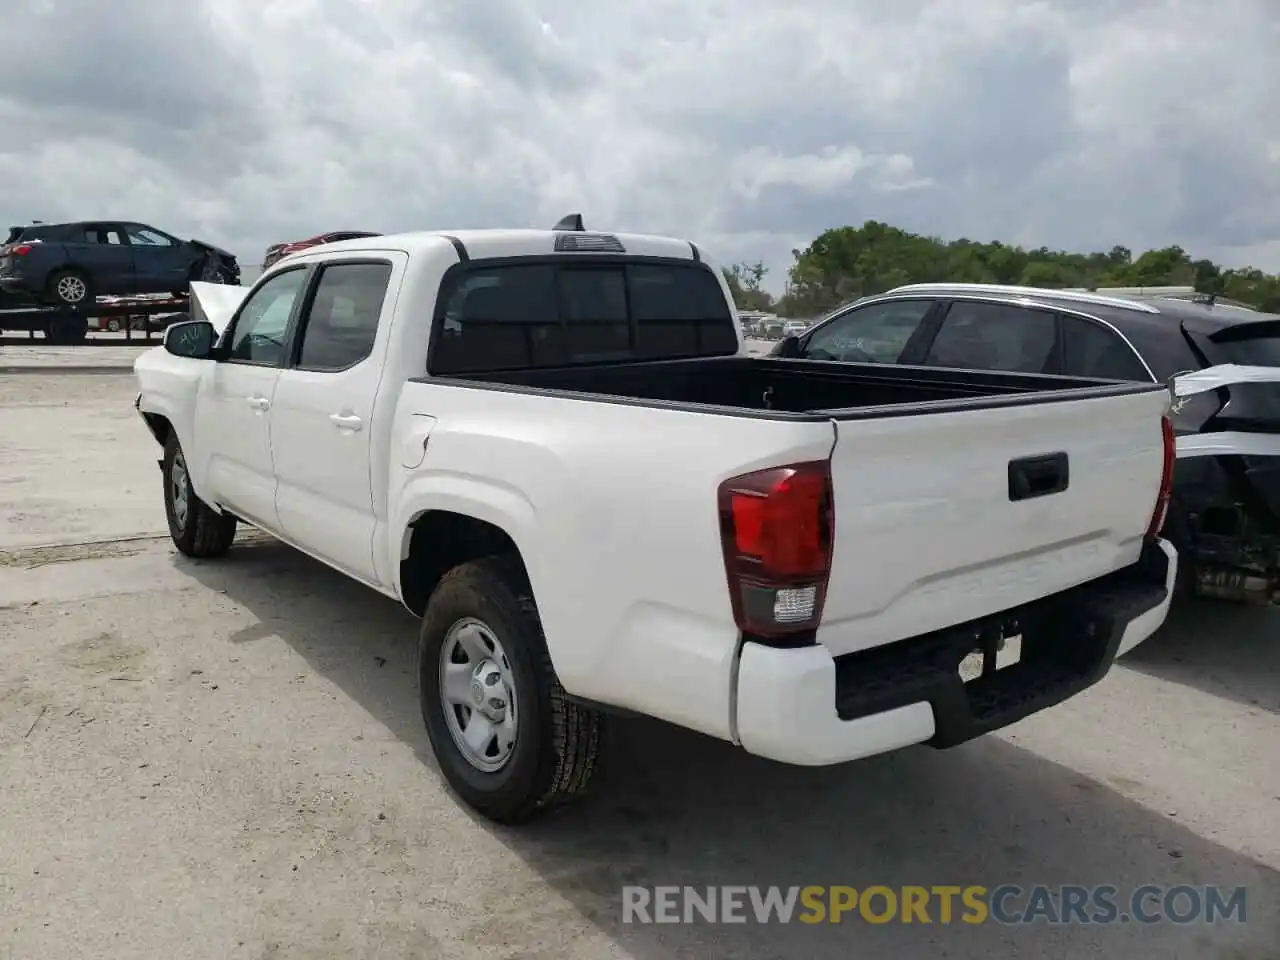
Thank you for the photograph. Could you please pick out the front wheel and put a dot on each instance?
(508, 740)
(196, 528)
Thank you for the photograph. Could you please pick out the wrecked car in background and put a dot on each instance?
(71, 264)
(1223, 360)
(278, 250)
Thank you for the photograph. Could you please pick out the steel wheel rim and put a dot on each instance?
(478, 695)
(71, 289)
(179, 489)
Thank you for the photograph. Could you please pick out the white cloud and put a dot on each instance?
(749, 126)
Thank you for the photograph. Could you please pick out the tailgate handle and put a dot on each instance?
(1038, 476)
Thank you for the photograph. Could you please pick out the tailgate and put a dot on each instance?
(933, 525)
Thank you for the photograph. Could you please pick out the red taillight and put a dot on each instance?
(1166, 478)
(20, 250)
(777, 528)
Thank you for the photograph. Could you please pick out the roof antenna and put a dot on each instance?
(572, 222)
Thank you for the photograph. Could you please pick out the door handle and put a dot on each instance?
(258, 402)
(1038, 476)
(346, 421)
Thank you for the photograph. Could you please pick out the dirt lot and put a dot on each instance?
(225, 760)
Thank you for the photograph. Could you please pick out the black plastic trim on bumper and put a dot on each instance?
(1069, 641)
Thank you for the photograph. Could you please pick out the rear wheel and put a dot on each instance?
(508, 740)
(196, 528)
(70, 288)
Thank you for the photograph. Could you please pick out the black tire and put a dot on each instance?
(556, 740)
(65, 329)
(113, 325)
(63, 283)
(198, 530)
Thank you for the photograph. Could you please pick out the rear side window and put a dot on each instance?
(111, 236)
(1092, 350)
(342, 320)
(32, 233)
(1254, 352)
(530, 314)
(993, 336)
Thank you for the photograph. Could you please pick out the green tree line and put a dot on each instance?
(850, 262)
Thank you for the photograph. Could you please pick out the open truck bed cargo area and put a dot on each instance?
(798, 389)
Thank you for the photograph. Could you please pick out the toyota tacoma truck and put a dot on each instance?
(552, 447)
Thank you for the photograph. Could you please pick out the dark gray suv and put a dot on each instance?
(1225, 514)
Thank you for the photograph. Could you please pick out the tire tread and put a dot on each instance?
(208, 533)
(575, 729)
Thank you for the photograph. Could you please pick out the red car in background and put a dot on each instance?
(278, 250)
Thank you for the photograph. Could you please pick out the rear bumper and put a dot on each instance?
(802, 706)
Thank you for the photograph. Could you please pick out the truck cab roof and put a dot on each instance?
(497, 244)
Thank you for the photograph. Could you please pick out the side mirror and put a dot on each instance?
(193, 339)
(788, 347)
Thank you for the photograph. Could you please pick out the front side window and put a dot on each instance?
(263, 321)
(993, 336)
(342, 322)
(875, 333)
(141, 236)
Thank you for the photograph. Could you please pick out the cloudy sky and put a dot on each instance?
(747, 125)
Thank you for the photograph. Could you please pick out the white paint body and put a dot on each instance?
(613, 507)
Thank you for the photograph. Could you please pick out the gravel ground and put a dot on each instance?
(225, 760)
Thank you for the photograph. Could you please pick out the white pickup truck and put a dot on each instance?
(552, 447)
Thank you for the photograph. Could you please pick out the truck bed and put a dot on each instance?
(799, 389)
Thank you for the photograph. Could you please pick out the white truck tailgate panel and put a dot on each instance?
(928, 533)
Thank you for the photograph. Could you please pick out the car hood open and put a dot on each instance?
(215, 302)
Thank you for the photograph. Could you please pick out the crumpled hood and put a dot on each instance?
(215, 302)
(215, 249)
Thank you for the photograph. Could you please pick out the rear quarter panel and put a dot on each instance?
(44, 258)
(613, 508)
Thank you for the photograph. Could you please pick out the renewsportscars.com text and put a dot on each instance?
(939, 904)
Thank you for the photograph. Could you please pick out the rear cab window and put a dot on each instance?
(534, 312)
